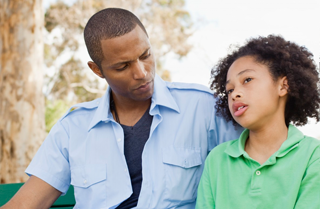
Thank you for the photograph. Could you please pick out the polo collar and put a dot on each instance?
(161, 97)
(236, 148)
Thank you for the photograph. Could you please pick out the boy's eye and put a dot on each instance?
(247, 80)
(229, 91)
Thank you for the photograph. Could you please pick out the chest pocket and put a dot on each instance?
(183, 171)
(90, 185)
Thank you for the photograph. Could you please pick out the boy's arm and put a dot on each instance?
(205, 198)
(309, 192)
(35, 193)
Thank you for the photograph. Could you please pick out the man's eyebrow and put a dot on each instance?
(244, 71)
(124, 62)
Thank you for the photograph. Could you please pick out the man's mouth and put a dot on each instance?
(144, 87)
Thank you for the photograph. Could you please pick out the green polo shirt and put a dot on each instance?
(289, 179)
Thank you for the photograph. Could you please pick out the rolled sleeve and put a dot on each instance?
(51, 160)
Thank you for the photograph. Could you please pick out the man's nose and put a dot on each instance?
(139, 71)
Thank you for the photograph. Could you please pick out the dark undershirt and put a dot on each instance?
(135, 138)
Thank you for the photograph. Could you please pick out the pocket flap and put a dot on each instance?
(182, 157)
(87, 175)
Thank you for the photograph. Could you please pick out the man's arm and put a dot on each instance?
(35, 193)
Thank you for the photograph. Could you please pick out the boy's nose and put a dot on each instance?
(236, 95)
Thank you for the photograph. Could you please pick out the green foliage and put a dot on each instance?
(54, 111)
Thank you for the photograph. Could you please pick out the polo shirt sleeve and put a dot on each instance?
(51, 160)
(309, 192)
(205, 198)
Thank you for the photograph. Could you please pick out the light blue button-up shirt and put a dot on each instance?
(85, 149)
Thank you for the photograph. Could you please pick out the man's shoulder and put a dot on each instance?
(188, 87)
(82, 108)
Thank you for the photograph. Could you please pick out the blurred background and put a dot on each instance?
(43, 68)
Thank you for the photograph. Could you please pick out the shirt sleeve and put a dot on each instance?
(51, 160)
(221, 130)
(205, 198)
(309, 192)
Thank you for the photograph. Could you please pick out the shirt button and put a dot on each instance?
(125, 170)
(258, 173)
(85, 181)
(119, 140)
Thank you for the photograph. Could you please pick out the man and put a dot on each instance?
(141, 145)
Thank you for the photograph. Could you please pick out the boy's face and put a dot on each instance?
(253, 96)
(128, 66)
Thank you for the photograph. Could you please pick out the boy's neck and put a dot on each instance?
(264, 142)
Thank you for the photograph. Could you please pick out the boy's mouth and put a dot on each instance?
(239, 109)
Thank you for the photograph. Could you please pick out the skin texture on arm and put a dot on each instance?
(35, 194)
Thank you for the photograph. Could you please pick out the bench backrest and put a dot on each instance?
(7, 191)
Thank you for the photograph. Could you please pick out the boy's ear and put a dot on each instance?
(284, 87)
(94, 67)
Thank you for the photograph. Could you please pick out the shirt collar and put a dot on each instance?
(161, 96)
(103, 112)
(236, 148)
(293, 140)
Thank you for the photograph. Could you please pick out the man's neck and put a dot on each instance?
(129, 112)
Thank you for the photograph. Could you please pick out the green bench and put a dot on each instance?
(63, 202)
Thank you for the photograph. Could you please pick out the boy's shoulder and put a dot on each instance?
(220, 150)
(310, 144)
(311, 140)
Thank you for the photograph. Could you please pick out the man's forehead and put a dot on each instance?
(125, 48)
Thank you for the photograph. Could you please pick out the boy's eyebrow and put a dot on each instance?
(241, 72)
(124, 62)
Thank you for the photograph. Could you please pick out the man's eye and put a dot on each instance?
(145, 56)
(247, 80)
(123, 68)
(229, 91)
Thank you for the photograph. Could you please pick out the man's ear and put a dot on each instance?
(94, 67)
(284, 87)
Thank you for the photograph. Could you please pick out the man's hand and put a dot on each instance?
(34, 194)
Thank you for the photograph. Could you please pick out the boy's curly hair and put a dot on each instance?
(283, 58)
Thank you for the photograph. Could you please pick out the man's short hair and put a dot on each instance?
(106, 24)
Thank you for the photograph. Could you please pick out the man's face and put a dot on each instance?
(128, 66)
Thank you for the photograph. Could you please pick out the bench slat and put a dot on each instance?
(7, 191)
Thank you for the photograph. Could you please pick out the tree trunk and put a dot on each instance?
(22, 126)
